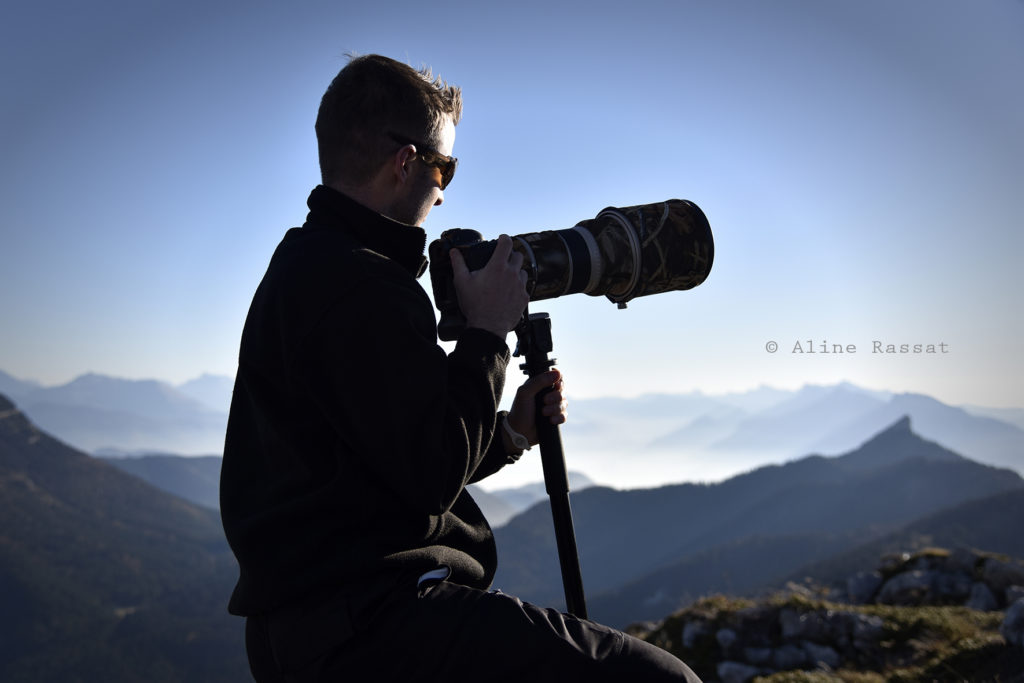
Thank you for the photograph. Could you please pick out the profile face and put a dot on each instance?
(423, 190)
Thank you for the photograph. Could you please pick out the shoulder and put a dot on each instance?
(316, 271)
(329, 263)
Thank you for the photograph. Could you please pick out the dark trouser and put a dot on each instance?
(447, 632)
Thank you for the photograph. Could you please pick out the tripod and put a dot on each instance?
(534, 335)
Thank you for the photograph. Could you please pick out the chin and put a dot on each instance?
(420, 218)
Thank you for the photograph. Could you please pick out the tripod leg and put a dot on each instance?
(535, 343)
(556, 482)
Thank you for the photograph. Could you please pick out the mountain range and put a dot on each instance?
(105, 577)
(654, 440)
(645, 552)
(94, 412)
(197, 479)
(623, 442)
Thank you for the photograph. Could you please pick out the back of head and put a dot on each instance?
(370, 98)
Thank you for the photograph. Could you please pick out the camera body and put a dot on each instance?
(622, 253)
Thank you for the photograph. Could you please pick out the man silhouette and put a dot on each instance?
(352, 435)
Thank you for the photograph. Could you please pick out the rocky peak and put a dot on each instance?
(894, 444)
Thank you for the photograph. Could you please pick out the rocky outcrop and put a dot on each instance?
(981, 581)
(935, 608)
(763, 639)
(1013, 625)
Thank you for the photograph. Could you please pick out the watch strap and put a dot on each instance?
(518, 440)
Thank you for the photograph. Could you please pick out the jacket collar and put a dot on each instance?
(399, 242)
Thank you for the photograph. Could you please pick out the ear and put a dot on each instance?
(400, 163)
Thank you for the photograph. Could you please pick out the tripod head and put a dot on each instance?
(534, 343)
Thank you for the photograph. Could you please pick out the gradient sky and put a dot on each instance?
(861, 164)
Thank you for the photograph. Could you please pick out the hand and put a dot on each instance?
(522, 416)
(494, 297)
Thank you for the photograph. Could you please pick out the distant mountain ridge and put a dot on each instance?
(646, 551)
(213, 391)
(813, 412)
(522, 497)
(985, 439)
(145, 397)
(93, 412)
(708, 438)
(16, 388)
(626, 442)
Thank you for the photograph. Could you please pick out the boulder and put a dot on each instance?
(821, 654)
(908, 588)
(694, 631)
(726, 637)
(789, 657)
(1012, 629)
(1000, 575)
(862, 587)
(805, 625)
(952, 587)
(982, 598)
(867, 630)
(758, 625)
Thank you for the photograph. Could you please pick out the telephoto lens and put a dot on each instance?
(622, 253)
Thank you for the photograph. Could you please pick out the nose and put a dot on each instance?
(440, 198)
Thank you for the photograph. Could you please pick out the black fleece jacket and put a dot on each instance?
(352, 435)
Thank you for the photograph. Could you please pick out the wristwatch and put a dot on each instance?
(518, 440)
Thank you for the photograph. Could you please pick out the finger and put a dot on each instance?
(555, 379)
(555, 409)
(458, 263)
(557, 389)
(502, 249)
(515, 260)
(542, 381)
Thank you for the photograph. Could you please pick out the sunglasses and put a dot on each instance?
(431, 157)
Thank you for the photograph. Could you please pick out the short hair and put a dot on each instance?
(371, 97)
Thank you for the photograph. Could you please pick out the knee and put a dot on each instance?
(646, 662)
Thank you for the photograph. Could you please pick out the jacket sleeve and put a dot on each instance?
(497, 457)
(419, 422)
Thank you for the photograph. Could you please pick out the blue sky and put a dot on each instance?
(861, 164)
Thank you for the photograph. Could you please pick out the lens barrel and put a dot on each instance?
(622, 253)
